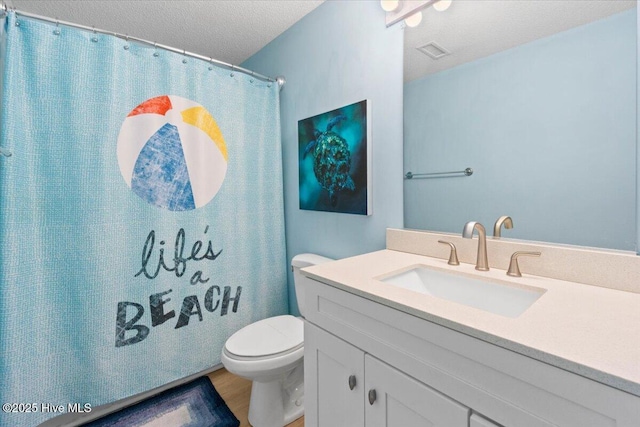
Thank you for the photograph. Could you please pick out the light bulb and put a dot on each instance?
(442, 5)
(414, 20)
(389, 5)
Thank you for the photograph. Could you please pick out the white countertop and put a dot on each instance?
(587, 330)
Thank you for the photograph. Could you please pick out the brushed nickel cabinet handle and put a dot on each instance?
(372, 396)
(352, 382)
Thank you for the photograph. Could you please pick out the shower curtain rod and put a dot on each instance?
(279, 79)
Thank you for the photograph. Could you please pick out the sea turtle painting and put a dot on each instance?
(331, 160)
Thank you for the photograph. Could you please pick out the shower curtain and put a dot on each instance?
(141, 216)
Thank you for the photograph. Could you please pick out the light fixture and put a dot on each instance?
(413, 20)
(442, 5)
(389, 5)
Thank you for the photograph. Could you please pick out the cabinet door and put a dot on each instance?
(334, 381)
(401, 401)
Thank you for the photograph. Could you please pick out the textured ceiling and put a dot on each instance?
(472, 29)
(233, 30)
(229, 31)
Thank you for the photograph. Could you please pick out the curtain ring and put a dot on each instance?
(184, 54)
(57, 30)
(232, 67)
(95, 36)
(155, 47)
(5, 152)
(210, 63)
(126, 39)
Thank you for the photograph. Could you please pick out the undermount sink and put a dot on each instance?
(497, 298)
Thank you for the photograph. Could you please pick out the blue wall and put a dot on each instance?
(339, 54)
(548, 127)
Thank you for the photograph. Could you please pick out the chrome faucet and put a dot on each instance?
(508, 224)
(482, 263)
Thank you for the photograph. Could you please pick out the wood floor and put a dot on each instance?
(236, 392)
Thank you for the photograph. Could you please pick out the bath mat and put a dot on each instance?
(195, 404)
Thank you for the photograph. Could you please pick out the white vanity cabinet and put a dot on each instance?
(427, 374)
(352, 389)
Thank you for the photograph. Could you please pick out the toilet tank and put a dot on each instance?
(302, 261)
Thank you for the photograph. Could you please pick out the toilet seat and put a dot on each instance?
(266, 339)
(256, 358)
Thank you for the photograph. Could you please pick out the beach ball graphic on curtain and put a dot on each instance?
(172, 154)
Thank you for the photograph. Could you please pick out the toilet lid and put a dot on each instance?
(267, 337)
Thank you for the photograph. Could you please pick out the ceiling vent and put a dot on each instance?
(433, 50)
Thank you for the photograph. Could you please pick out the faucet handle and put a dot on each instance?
(514, 269)
(453, 256)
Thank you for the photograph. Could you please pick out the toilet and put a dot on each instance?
(270, 354)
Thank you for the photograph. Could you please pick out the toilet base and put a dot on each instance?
(278, 402)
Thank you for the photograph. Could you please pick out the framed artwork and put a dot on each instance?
(334, 157)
